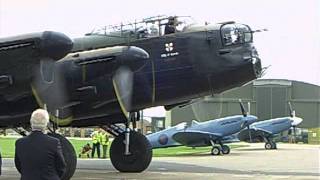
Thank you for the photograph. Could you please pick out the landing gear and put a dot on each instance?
(225, 149)
(139, 157)
(130, 151)
(69, 155)
(270, 144)
(215, 150)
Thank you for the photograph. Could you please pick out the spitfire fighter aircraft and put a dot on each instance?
(264, 131)
(106, 77)
(209, 133)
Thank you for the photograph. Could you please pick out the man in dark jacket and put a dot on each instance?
(39, 156)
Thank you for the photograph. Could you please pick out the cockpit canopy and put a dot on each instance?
(148, 27)
(236, 34)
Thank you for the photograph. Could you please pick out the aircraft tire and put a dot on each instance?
(140, 149)
(268, 145)
(69, 155)
(225, 149)
(273, 145)
(215, 150)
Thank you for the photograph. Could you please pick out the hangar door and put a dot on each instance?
(271, 102)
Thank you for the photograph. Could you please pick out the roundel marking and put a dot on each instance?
(163, 139)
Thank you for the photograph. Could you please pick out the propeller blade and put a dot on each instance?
(243, 111)
(249, 108)
(48, 86)
(123, 86)
(291, 111)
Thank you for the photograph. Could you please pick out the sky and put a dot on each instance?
(291, 46)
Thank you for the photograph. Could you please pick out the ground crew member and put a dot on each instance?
(95, 143)
(104, 143)
(86, 150)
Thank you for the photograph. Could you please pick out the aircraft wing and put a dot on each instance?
(21, 55)
(255, 133)
(195, 138)
(264, 131)
(33, 47)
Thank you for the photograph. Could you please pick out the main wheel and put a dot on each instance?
(268, 145)
(215, 150)
(140, 149)
(225, 149)
(69, 155)
(273, 145)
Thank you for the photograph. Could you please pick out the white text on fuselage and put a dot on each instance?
(165, 55)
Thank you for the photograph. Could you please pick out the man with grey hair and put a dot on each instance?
(39, 156)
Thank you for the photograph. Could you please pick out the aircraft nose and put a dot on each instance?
(256, 62)
(252, 119)
(252, 56)
(55, 45)
(295, 121)
(249, 120)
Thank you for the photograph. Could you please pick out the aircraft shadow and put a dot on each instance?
(263, 149)
(187, 168)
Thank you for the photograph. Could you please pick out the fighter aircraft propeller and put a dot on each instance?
(245, 114)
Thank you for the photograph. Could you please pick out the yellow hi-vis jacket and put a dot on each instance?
(95, 137)
(104, 139)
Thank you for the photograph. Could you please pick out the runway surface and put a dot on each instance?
(289, 161)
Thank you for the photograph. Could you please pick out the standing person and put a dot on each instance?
(104, 143)
(39, 156)
(95, 142)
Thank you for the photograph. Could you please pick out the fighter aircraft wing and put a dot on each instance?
(263, 131)
(254, 132)
(195, 138)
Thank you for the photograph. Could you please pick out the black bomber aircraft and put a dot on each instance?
(106, 77)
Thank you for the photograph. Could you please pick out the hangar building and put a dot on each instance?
(268, 99)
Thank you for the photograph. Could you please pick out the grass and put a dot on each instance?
(7, 147)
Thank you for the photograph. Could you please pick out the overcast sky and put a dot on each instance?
(291, 46)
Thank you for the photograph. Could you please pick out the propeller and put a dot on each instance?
(245, 114)
(49, 88)
(248, 126)
(243, 111)
(123, 86)
(133, 58)
(291, 111)
(292, 114)
(48, 83)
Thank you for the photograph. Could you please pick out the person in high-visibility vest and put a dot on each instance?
(96, 142)
(104, 143)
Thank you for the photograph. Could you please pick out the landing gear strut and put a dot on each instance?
(130, 151)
